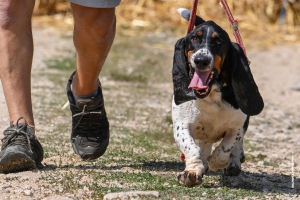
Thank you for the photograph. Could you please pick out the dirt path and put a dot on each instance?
(273, 138)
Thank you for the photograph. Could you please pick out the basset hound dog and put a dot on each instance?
(214, 96)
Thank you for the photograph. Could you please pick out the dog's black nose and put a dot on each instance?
(202, 61)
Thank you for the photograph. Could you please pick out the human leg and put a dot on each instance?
(94, 31)
(16, 51)
(20, 148)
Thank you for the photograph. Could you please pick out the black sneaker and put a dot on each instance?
(20, 148)
(90, 127)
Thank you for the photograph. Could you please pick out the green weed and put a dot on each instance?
(62, 63)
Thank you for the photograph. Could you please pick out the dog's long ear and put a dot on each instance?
(244, 86)
(185, 13)
(180, 73)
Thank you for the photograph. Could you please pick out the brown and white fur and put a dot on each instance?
(217, 109)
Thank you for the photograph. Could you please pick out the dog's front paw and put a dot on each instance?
(215, 164)
(190, 178)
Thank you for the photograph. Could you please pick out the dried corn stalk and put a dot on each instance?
(258, 19)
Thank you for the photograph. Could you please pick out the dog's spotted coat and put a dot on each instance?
(208, 120)
(212, 105)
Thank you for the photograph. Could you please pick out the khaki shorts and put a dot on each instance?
(97, 3)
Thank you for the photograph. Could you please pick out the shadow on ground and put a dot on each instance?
(264, 183)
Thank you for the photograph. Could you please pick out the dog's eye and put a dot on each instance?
(195, 39)
(218, 41)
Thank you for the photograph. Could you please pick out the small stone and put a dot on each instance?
(5, 186)
(86, 188)
(6, 191)
(27, 187)
(28, 192)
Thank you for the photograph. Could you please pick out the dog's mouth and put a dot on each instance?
(201, 82)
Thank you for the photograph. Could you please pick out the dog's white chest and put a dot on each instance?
(209, 119)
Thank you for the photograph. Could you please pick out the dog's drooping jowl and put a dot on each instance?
(214, 96)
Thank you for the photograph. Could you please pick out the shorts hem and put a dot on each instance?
(97, 3)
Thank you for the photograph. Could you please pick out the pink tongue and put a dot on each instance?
(199, 80)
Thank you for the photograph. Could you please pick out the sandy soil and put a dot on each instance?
(274, 134)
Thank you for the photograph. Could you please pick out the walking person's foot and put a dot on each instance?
(20, 150)
(90, 126)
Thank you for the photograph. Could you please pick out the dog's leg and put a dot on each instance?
(205, 152)
(183, 116)
(237, 156)
(220, 157)
(192, 175)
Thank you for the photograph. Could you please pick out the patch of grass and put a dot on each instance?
(272, 164)
(61, 63)
(295, 125)
(133, 77)
(168, 119)
(248, 145)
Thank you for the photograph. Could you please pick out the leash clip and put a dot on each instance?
(235, 25)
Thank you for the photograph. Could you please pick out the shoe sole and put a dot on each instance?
(90, 153)
(14, 161)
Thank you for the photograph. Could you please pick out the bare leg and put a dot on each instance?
(94, 32)
(16, 51)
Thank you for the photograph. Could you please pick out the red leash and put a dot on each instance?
(234, 25)
(192, 17)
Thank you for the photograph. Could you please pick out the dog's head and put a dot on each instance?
(206, 49)
(211, 58)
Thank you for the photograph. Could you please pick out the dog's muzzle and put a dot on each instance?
(202, 60)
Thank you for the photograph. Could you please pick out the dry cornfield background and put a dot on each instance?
(261, 22)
